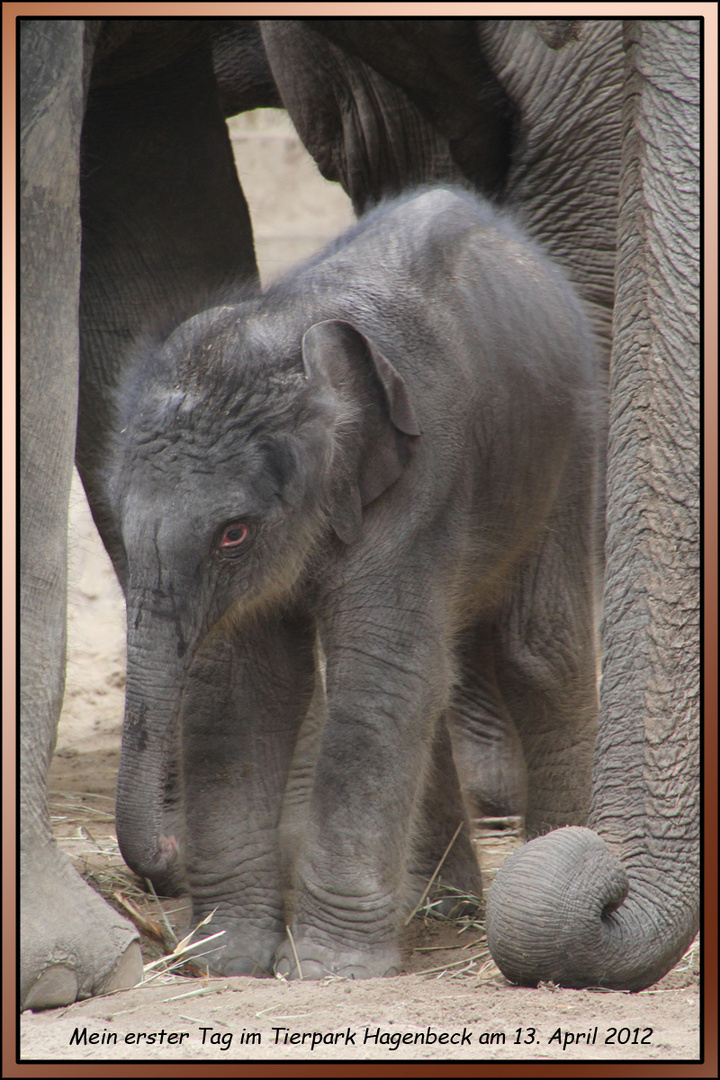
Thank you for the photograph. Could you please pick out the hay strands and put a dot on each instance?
(178, 957)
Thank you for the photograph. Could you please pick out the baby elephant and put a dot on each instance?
(365, 494)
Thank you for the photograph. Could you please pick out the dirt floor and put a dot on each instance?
(452, 1004)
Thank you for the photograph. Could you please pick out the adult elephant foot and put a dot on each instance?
(303, 958)
(562, 909)
(74, 945)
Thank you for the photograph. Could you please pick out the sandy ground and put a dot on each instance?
(452, 1004)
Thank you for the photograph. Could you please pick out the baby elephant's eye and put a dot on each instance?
(233, 537)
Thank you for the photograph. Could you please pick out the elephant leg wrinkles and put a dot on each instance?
(369, 789)
(441, 853)
(547, 673)
(247, 694)
(486, 747)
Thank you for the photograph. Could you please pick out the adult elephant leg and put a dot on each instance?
(72, 944)
(246, 699)
(165, 224)
(362, 130)
(630, 900)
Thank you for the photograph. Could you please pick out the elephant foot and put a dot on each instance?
(59, 984)
(240, 951)
(305, 959)
(73, 944)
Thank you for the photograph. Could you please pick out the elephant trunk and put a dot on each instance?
(580, 918)
(155, 677)
(563, 909)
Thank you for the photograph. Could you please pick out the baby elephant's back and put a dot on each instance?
(445, 271)
(466, 307)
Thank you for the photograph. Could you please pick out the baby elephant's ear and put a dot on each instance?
(339, 354)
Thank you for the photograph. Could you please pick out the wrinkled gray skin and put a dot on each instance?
(381, 110)
(639, 891)
(393, 449)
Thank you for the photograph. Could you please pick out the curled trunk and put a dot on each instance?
(564, 909)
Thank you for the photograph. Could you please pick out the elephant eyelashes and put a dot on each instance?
(233, 537)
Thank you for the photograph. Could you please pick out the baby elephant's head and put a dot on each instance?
(242, 445)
